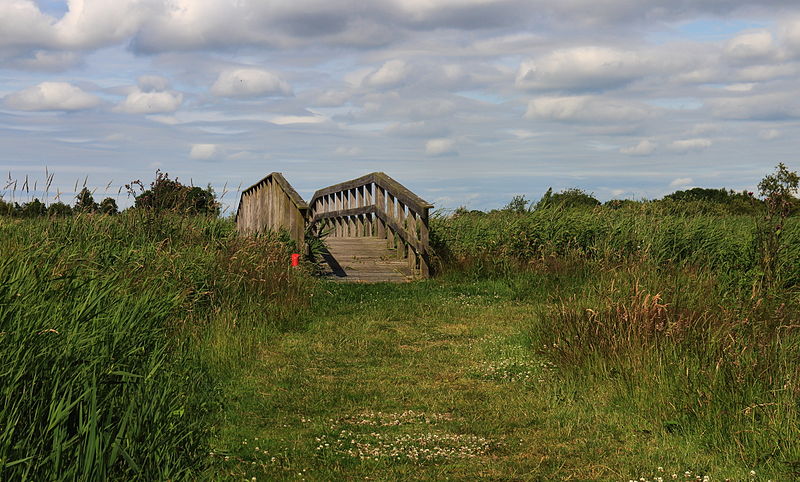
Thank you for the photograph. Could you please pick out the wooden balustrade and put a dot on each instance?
(376, 205)
(272, 204)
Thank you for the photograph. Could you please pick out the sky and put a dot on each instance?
(466, 102)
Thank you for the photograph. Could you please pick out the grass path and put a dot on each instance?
(430, 380)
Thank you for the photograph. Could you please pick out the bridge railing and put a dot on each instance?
(272, 204)
(376, 205)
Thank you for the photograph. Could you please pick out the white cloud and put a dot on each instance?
(390, 74)
(52, 96)
(684, 146)
(681, 182)
(204, 152)
(152, 83)
(770, 106)
(348, 151)
(591, 109)
(581, 68)
(298, 119)
(644, 148)
(150, 96)
(751, 45)
(769, 134)
(21, 23)
(440, 147)
(249, 83)
(139, 102)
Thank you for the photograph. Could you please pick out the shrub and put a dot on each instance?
(59, 209)
(84, 202)
(167, 194)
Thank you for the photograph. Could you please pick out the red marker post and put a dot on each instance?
(295, 260)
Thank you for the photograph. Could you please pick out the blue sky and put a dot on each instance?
(467, 102)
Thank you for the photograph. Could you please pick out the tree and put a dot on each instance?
(84, 202)
(59, 209)
(33, 209)
(109, 206)
(568, 198)
(6, 209)
(518, 204)
(167, 194)
(779, 190)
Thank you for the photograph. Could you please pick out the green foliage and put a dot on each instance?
(6, 208)
(109, 375)
(167, 194)
(779, 189)
(567, 199)
(33, 209)
(84, 202)
(518, 204)
(109, 207)
(59, 209)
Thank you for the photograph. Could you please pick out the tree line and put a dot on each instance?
(162, 195)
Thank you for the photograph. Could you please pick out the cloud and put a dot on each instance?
(250, 83)
(52, 96)
(440, 147)
(390, 74)
(684, 146)
(769, 106)
(681, 182)
(152, 83)
(769, 134)
(589, 67)
(204, 152)
(348, 151)
(587, 109)
(751, 45)
(643, 148)
(298, 119)
(44, 61)
(150, 96)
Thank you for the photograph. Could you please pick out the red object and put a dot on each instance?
(295, 259)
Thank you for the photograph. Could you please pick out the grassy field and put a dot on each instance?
(576, 346)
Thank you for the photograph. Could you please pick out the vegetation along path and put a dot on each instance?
(443, 379)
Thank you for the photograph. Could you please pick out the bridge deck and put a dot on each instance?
(364, 260)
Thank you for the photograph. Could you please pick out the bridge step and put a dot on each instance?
(365, 260)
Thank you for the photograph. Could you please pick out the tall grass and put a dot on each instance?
(113, 334)
(668, 317)
(730, 244)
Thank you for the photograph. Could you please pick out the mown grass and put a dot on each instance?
(580, 345)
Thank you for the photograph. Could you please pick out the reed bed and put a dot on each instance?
(113, 332)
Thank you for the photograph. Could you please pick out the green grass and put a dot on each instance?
(503, 397)
(582, 346)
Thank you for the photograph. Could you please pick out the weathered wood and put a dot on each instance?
(374, 206)
(272, 204)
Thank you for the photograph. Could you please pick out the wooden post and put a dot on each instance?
(424, 239)
(380, 203)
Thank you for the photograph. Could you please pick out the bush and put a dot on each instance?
(59, 209)
(568, 198)
(33, 209)
(167, 194)
(84, 202)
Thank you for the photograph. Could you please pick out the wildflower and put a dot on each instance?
(752, 473)
(661, 469)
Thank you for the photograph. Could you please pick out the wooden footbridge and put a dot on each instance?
(374, 228)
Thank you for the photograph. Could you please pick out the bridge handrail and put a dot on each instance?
(274, 205)
(381, 179)
(296, 199)
(355, 208)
